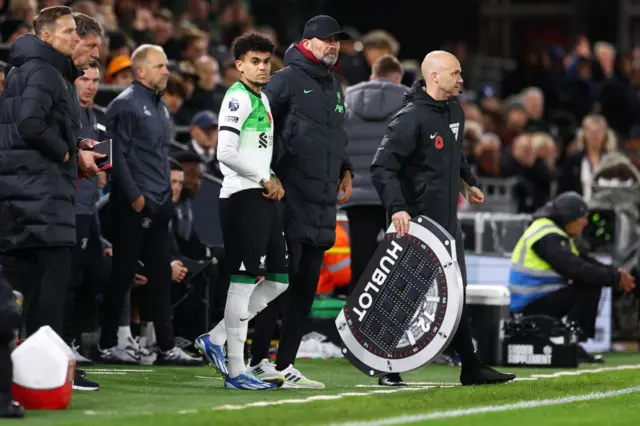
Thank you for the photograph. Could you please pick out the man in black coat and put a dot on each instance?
(307, 105)
(417, 171)
(38, 167)
(38, 162)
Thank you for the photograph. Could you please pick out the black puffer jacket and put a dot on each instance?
(370, 107)
(420, 161)
(307, 104)
(39, 121)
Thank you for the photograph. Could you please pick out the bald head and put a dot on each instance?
(443, 74)
(208, 72)
(150, 65)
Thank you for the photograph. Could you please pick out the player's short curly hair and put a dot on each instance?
(251, 43)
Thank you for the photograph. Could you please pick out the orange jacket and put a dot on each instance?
(336, 266)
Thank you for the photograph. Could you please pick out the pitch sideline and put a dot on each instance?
(492, 408)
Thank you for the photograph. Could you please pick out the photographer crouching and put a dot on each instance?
(550, 275)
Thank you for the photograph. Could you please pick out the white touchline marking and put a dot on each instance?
(414, 384)
(109, 373)
(492, 408)
(581, 372)
(413, 387)
(318, 398)
(97, 370)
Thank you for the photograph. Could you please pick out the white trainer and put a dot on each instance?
(267, 372)
(293, 378)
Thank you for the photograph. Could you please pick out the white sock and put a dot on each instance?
(218, 334)
(236, 321)
(263, 293)
(124, 334)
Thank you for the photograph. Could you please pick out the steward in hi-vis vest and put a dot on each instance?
(550, 276)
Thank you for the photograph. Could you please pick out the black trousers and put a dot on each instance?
(365, 223)
(188, 299)
(463, 340)
(87, 276)
(305, 262)
(9, 323)
(141, 237)
(42, 275)
(578, 302)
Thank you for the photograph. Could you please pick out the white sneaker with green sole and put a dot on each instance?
(293, 378)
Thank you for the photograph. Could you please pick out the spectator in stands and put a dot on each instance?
(11, 29)
(533, 102)
(194, 44)
(582, 89)
(87, 7)
(516, 118)
(139, 123)
(551, 276)
(163, 33)
(535, 176)
(24, 10)
(204, 140)
(230, 74)
(593, 140)
(487, 154)
(120, 72)
(375, 44)
(369, 108)
(119, 45)
(188, 73)
(174, 94)
(208, 92)
(616, 100)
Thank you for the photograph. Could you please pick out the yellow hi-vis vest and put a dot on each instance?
(530, 277)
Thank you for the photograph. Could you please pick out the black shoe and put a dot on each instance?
(392, 379)
(82, 384)
(10, 409)
(483, 375)
(585, 357)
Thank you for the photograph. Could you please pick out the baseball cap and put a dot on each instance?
(570, 206)
(117, 64)
(205, 120)
(323, 27)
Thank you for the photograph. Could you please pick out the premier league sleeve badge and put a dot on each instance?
(407, 305)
